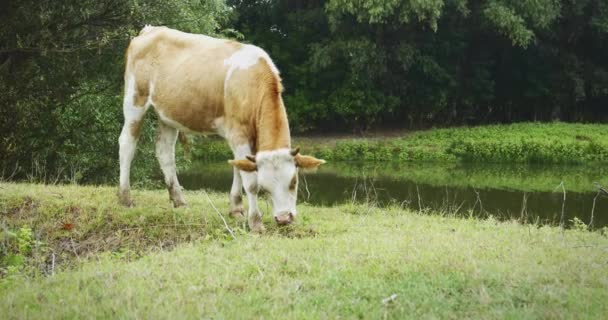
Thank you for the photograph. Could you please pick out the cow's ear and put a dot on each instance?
(244, 164)
(308, 163)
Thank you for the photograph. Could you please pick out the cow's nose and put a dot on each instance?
(284, 219)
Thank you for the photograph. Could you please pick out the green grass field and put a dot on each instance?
(546, 143)
(349, 261)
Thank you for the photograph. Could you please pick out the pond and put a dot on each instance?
(532, 193)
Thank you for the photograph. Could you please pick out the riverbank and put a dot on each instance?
(563, 143)
(345, 261)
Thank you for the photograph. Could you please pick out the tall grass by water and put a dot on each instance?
(547, 143)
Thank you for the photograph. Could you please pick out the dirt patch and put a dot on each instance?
(295, 232)
(582, 138)
(27, 205)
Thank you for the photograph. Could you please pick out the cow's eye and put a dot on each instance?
(262, 192)
(294, 181)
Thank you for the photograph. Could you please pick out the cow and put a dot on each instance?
(200, 84)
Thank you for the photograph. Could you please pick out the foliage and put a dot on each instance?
(331, 264)
(211, 149)
(61, 77)
(556, 143)
(352, 65)
(16, 248)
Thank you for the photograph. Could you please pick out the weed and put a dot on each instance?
(17, 247)
(578, 224)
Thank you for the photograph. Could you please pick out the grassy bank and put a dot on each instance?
(347, 261)
(514, 143)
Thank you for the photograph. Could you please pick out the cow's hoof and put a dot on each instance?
(180, 204)
(127, 203)
(125, 200)
(257, 228)
(237, 214)
(255, 223)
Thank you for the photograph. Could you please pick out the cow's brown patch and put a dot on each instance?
(272, 125)
(136, 128)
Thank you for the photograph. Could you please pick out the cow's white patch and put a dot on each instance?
(274, 155)
(245, 58)
(147, 28)
(132, 112)
(276, 170)
(127, 142)
(149, 101)
(241, 151)
(220, 128)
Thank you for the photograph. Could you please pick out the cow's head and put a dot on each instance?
(277, 173)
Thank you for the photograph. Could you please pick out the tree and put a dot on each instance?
(61, 66)
(434, 62)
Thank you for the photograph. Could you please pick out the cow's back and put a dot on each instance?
(181, 74)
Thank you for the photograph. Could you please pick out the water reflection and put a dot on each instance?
(531, 193)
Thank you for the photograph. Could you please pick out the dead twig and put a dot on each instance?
(74, 249)
(53, 264)
(458, 208)
(561, 219)
(419, 199)
(478, 200)
(601, 189)
(306, 187)
(523, 215)
(593, 209)
(220, 214)
(389, 299)
(10, 177)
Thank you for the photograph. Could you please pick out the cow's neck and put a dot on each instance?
(272, 126)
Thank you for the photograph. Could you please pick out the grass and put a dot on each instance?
(514, 143)
(336, 262)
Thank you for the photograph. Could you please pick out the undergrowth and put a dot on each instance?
(515, 143)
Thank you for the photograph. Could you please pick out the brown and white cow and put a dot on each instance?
(200, 84)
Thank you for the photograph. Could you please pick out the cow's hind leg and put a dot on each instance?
(236, 198)
(165, 153)
(128, 142)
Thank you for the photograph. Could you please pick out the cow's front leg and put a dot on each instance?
(254, 215)
(236, 199)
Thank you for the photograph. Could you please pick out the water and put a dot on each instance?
(523, 192)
